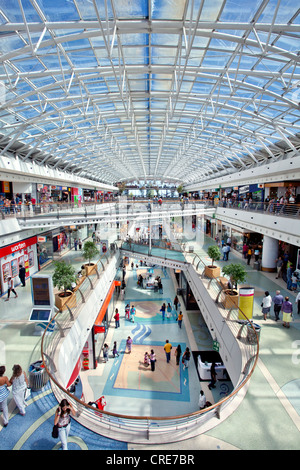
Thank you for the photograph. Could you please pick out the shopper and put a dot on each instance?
(4, 392)
(169, 310)
(279, 264)
(179, 319)
(213, 376)
(63, 420)
(115, 350)
(277, 301)
(287, 312)
(266, 304)
(132, 313)
(19, 385)
(22, 275)
(186, 358)
(152, 360)
(202, 400)
(163, 310)
(117, 318)
(105, 352)
(11, 286)
(129, 344)
(178, 354)
(167, 348)
(176, 302)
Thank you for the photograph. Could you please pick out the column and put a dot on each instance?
(269, 254)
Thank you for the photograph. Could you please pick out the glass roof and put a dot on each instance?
(166, 90)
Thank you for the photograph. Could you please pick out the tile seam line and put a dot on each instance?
(279, 394)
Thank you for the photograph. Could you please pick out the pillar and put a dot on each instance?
(269, 254)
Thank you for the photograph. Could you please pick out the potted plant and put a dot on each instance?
(63, 277)
(214, 253)
(89, 251)
(237, 274)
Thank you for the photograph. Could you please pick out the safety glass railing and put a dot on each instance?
(101, 421)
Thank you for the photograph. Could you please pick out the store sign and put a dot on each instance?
(216, 346)
(11, 249)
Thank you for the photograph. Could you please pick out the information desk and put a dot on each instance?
(205, 360)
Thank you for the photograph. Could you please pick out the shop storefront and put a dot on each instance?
(12, 256)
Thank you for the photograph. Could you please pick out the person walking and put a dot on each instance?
(152, 360)
(167, 348)
(179, 319)
(4, 392)
(213, 376)
(266, 304)
(249, 255)
(176, 302)
(22, 274)
(132, 313)
(11, 288)
(117, 318)
(115, 350)
(178, 354)
(287, 312)
(129, 344)
(169, 310)
(277, 301)
(19, 384)
(127, 311)
(163, 311)
(62, 419)
(202, 400)
(279, 264)
(186, 358)
(289, 273)
(105, 352)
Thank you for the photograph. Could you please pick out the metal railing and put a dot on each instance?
(272, 207)
(147, 428)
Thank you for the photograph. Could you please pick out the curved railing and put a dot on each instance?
(143, 429)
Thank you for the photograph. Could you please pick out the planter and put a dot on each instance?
(230, 300)
(212, 271)
(61, 300)
(89, 268)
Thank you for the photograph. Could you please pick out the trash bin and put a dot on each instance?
(251, 336)
(38, 376)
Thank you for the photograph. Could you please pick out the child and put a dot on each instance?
(294, 282)
(105, 352)
(146, 360)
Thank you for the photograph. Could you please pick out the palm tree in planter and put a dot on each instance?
(63, 277)
(237, 275)
(89, 251)
(214, 253)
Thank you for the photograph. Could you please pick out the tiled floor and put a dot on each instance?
(268, 417)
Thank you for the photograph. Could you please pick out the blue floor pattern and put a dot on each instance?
(33, 431)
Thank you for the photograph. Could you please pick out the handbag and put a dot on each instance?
(27, 393)
(55, 431)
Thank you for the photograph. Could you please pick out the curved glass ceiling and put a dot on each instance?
(175, 90)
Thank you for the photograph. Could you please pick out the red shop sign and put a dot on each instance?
(10, 249)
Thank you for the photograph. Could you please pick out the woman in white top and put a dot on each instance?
(63, 421)
(4, 392)
(11, 288)
(266, 304)
(19, 384)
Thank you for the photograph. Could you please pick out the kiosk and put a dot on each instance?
(42, 303)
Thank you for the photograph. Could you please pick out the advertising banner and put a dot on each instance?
(246, 299)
